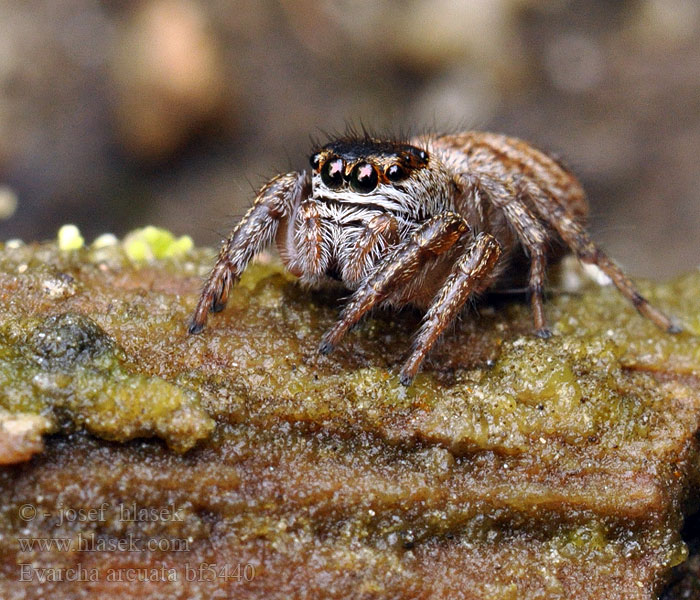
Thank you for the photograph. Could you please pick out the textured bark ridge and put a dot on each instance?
(142, 462)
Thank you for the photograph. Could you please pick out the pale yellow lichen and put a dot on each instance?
(69, 238)
(104, 241)
(151, 243)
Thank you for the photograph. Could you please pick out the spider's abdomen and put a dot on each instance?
(511, 160)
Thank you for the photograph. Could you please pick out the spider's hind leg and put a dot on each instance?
(587, 251)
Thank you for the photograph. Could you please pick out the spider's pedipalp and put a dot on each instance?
(311, 255)
(380, 233)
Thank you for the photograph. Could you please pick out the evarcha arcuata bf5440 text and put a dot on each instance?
(429, 222)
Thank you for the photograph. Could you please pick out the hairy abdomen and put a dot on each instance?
(515, 164)
(509, 159)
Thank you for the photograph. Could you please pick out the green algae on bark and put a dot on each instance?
(67, 369)
(61, 364)
(513, 467)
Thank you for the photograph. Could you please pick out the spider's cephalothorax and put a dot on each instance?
(430, 222)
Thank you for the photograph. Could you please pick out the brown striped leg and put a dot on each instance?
(586, 251)
(434, 237)
(538, 265)
(311, 258)
(380, 232)
(468, 272)
(531, 234)
(254, 232)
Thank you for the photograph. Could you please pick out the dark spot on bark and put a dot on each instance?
(62, 341)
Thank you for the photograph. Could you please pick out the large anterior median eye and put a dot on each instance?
(363, 178)
(332, 172)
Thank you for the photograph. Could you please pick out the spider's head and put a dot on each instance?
(366, 166)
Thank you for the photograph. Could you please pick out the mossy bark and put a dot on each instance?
(513, 467)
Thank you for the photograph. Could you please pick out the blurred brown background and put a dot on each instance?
(119, 113)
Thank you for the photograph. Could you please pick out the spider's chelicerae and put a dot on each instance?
(429, 222)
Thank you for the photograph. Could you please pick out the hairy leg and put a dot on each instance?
(254, 232)
(469, 271)
(380, 233)
(588, 252)
(312, 258)
(531, 234)
(434, 237)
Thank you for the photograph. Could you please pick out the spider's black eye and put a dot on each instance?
(396, 173)
(364, 178)
(422, 155)
(332, 172)
(315, 161)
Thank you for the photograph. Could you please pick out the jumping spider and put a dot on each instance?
(430, 222)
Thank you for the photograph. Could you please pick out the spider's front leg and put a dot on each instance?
(436, 236)
(256, 230)
(470, 270)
